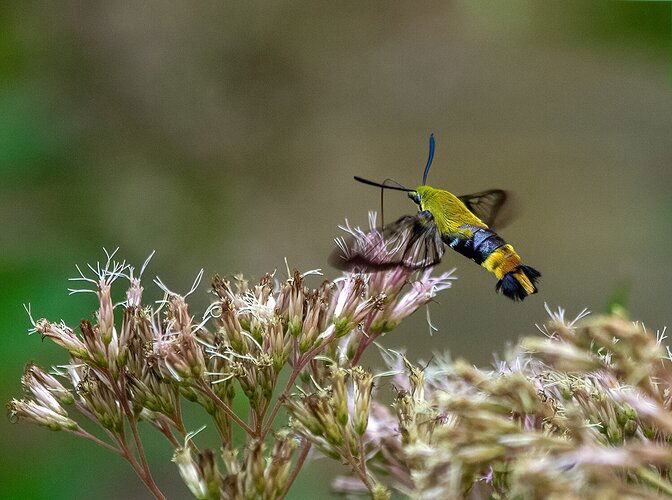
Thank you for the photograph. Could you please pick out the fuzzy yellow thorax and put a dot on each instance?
(449, 213)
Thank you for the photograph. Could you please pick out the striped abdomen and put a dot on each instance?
(488, 249)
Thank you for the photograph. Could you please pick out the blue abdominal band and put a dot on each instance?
(478, 247)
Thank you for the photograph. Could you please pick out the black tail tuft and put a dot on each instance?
(519, 283)
(532, 274)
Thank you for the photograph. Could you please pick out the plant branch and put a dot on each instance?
(278, 403)
(149, 482)
(357, 468)
(86, 435)
(84, 411)
(120, 391)
(297, 467)
(165, 430)
(300, 365)
(205, 389)
(365, 342)
(177, 420)
(132, 421)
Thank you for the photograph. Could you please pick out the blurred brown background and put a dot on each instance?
(225, 135)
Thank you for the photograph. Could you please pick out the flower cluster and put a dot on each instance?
(141, 362)
(583, 413)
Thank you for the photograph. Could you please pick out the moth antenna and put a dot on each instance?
(432, 145)
(399, 187)
(383, 186)
(382, 191)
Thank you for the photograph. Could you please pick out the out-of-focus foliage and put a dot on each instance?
(224, 134)
(585, 412)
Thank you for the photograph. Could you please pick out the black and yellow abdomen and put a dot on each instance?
(488, 249)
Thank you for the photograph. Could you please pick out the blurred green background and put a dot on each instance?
(225, 135)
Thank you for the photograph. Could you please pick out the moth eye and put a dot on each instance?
(415, 197)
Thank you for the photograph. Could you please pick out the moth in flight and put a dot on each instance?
(464, 223)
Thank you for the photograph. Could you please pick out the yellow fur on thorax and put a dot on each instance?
(449, 213)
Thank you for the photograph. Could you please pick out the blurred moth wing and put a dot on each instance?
(412, 241)
(487, 206)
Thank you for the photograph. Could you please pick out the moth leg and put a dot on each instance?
(425, 216)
